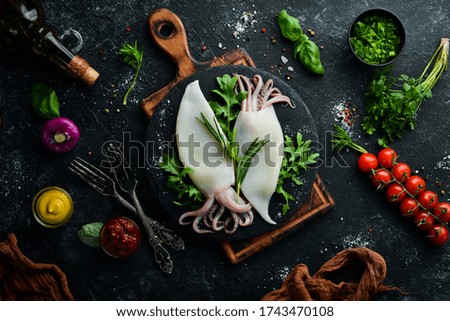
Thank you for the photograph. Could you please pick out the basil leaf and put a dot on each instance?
(44, 100)
(89, 234)
(309, 56)
(290, 27)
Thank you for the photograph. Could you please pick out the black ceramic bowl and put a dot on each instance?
(381, 13)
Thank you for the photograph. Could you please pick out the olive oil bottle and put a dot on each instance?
(22, 24)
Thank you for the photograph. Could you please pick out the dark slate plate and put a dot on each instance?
(161, 139)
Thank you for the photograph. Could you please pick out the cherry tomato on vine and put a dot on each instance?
(395, 193)
(438, 234)
(381, 178)
(423, 220)
(387, 157)
(428, 199)
(401, 172)
(442, 212)
(409, 207)
(367, 162)
(415, 185)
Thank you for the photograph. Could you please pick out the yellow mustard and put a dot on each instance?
(52, 206)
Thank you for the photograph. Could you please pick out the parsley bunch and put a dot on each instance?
(392, 103)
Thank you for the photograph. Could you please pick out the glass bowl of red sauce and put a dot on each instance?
(120, 237)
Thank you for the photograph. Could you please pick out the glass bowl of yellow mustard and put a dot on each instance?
(52, 207)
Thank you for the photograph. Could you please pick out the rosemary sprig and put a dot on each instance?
(231, 150)
(215, 132)
(133, 57)
(244, 163)
(341, 139)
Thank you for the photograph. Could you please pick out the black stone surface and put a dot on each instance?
(362, 216)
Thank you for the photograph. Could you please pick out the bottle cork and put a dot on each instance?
(80, 69)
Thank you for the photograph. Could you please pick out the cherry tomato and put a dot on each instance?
(381, 178)
(367, 162)
(395, 193)
(415, 185)
(442, 212)
(438, 234)
(401, 172)
(428, 199)
(409, 207)
(423, 220)
(387, 157)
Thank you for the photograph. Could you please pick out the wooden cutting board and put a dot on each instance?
(168, 32)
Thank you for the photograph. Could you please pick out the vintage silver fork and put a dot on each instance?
(103, 184)
(128, 182)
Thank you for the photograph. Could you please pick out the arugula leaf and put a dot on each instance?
(297, 157)
(225, 113)
(44, 100)
(179, 182)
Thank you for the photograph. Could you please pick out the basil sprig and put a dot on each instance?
(304, 48)
(44, 100)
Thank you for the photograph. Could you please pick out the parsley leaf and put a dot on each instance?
(133, 57)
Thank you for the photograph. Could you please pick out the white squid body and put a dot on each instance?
(262, 177)
(208, 178)
(213, 173)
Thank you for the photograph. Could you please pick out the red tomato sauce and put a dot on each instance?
(120, 237)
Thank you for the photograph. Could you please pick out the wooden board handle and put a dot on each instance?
(168, 32)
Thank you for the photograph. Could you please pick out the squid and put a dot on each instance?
(213, 173)
(257, 119)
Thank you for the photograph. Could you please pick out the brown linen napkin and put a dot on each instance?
(22, 279)
(300, 286)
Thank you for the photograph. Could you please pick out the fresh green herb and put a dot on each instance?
(341, 139)
(305, 49)
(133, 57)
(297, 157)
(392, 103)
(89, 234)
(179, 182)
(44, 100)
(231, 150)
(224, 112)
(375, 39)
(243, 163)
(215, 131)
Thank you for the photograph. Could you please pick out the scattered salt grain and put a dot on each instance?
(345, 115)
(284, 60)
(444, 163)
(290, 68)
(247, 20)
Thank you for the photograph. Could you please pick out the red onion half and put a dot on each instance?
(60, 134)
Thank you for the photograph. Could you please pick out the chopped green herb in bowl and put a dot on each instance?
(376, 37)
